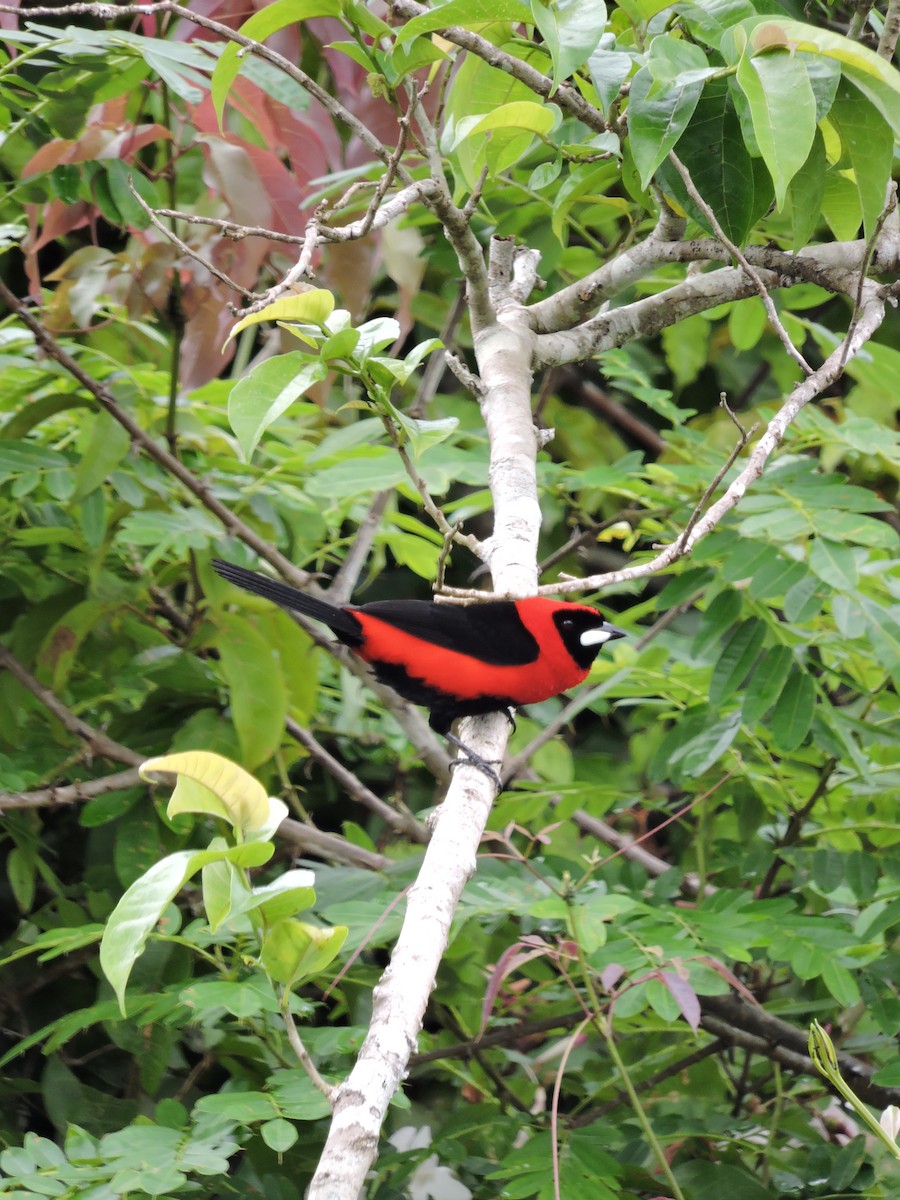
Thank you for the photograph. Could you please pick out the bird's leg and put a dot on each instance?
(476, 760)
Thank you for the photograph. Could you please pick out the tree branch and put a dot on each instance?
(96, 742)
(565, 95)
(400, 822)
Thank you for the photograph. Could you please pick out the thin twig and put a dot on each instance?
(889, 207)
(452, 532)
(400, 822)
(96, 742)
(231, 229)
(347, 576)
(437, 362)
(565, 95)
(744, 436)
(302, 1053)
(741, 258)
(171, 236)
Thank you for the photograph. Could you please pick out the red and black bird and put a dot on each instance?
(456, 661)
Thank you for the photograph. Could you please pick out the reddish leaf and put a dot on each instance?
(610, 975)
(685, 997)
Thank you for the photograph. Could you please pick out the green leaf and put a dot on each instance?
(805, 195)
(793, 713)
(279, 1135)
(719, 618)
(609, 69)
(571, 30)
(841, 207)
(518, 114)
(834, 563)
(766, 683)
(712, 148)
(469, 13)
(109, 442)
(244, 1107)
(260, 26)
(312, 307)
(868, 142)
(259, 697)
(738, 656)
(657, 120)
(212, 785)
(783, 112)
(694, 755)
(291, 893)
(293, 950)
(260, 397)
(713, 1180)
(871, 73)
(138, 911)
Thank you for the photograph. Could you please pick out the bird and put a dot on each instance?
(455, 660)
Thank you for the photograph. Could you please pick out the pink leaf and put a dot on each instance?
(685, 997)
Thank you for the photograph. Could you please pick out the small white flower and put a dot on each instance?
(890, 1121)
(429, 1181)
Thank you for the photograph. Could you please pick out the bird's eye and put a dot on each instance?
(567, 621)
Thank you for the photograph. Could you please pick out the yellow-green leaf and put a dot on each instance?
(311, 308)
(209, 783)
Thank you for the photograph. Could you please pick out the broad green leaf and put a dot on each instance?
(518, 114)
(834, 563)
(259, 698)
(260, 26)
(105, 448)
(261, 397)
(571, 30)
(219, 881)
(279, 1134)
(783, 111)
(793, 712)
(469, 13)
(138, 911)
(291, 893)
(766, 683)
(696, 752)
(656, 120)
(478, 88)
(293, 950)
(245, 1107)
(609, 69)
(63, 641)
(871, 73)
(720, 618)
(738, 656)
(868, 142)
(712, 149)
(746, 323)
(840, 205)
(312, 307)
(805, 195)
(213, 785)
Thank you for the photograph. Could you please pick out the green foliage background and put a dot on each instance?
(756, 699)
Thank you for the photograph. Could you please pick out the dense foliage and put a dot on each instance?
(629, 1020)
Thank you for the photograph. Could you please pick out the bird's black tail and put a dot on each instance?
(344, 624)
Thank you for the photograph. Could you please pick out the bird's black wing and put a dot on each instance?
(493, 633)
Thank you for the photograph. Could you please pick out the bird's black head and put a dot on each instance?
(584, 633)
